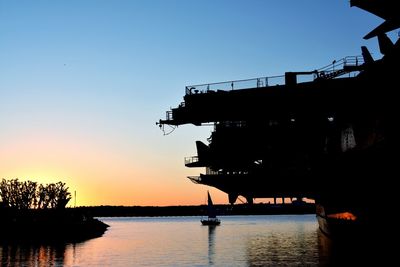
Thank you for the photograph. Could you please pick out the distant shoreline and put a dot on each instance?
(200, 210)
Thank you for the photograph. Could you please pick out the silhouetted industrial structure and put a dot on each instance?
(317, 134)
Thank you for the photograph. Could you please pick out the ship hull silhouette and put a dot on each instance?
(332, 138)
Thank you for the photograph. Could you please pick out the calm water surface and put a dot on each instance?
(270, 240)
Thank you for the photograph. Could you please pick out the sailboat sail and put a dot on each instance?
(210, 207)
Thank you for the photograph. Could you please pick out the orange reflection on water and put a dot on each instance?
(32, 255)
(343, 216)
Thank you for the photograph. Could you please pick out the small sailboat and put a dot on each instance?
(212, 217)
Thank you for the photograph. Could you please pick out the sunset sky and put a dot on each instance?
(82, 83)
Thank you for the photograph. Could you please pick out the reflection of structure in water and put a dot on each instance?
(317, 138)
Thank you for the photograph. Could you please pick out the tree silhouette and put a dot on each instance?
(30, 195)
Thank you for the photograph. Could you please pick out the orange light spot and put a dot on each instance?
(343, 216)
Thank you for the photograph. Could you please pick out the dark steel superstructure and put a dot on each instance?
(320, 134)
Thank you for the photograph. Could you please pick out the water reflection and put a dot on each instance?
(211, 244)
(303, 247)
(240, 241)
(32, 254)
(287, 248)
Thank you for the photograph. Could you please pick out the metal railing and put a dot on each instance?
(209, 171)
(229, 124)
(189, 160)
(235, 85)
(340, 67)
(332, 70)
(169, 116)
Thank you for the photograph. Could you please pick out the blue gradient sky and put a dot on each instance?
(82, 83)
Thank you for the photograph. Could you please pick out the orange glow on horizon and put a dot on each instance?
(102, 174)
